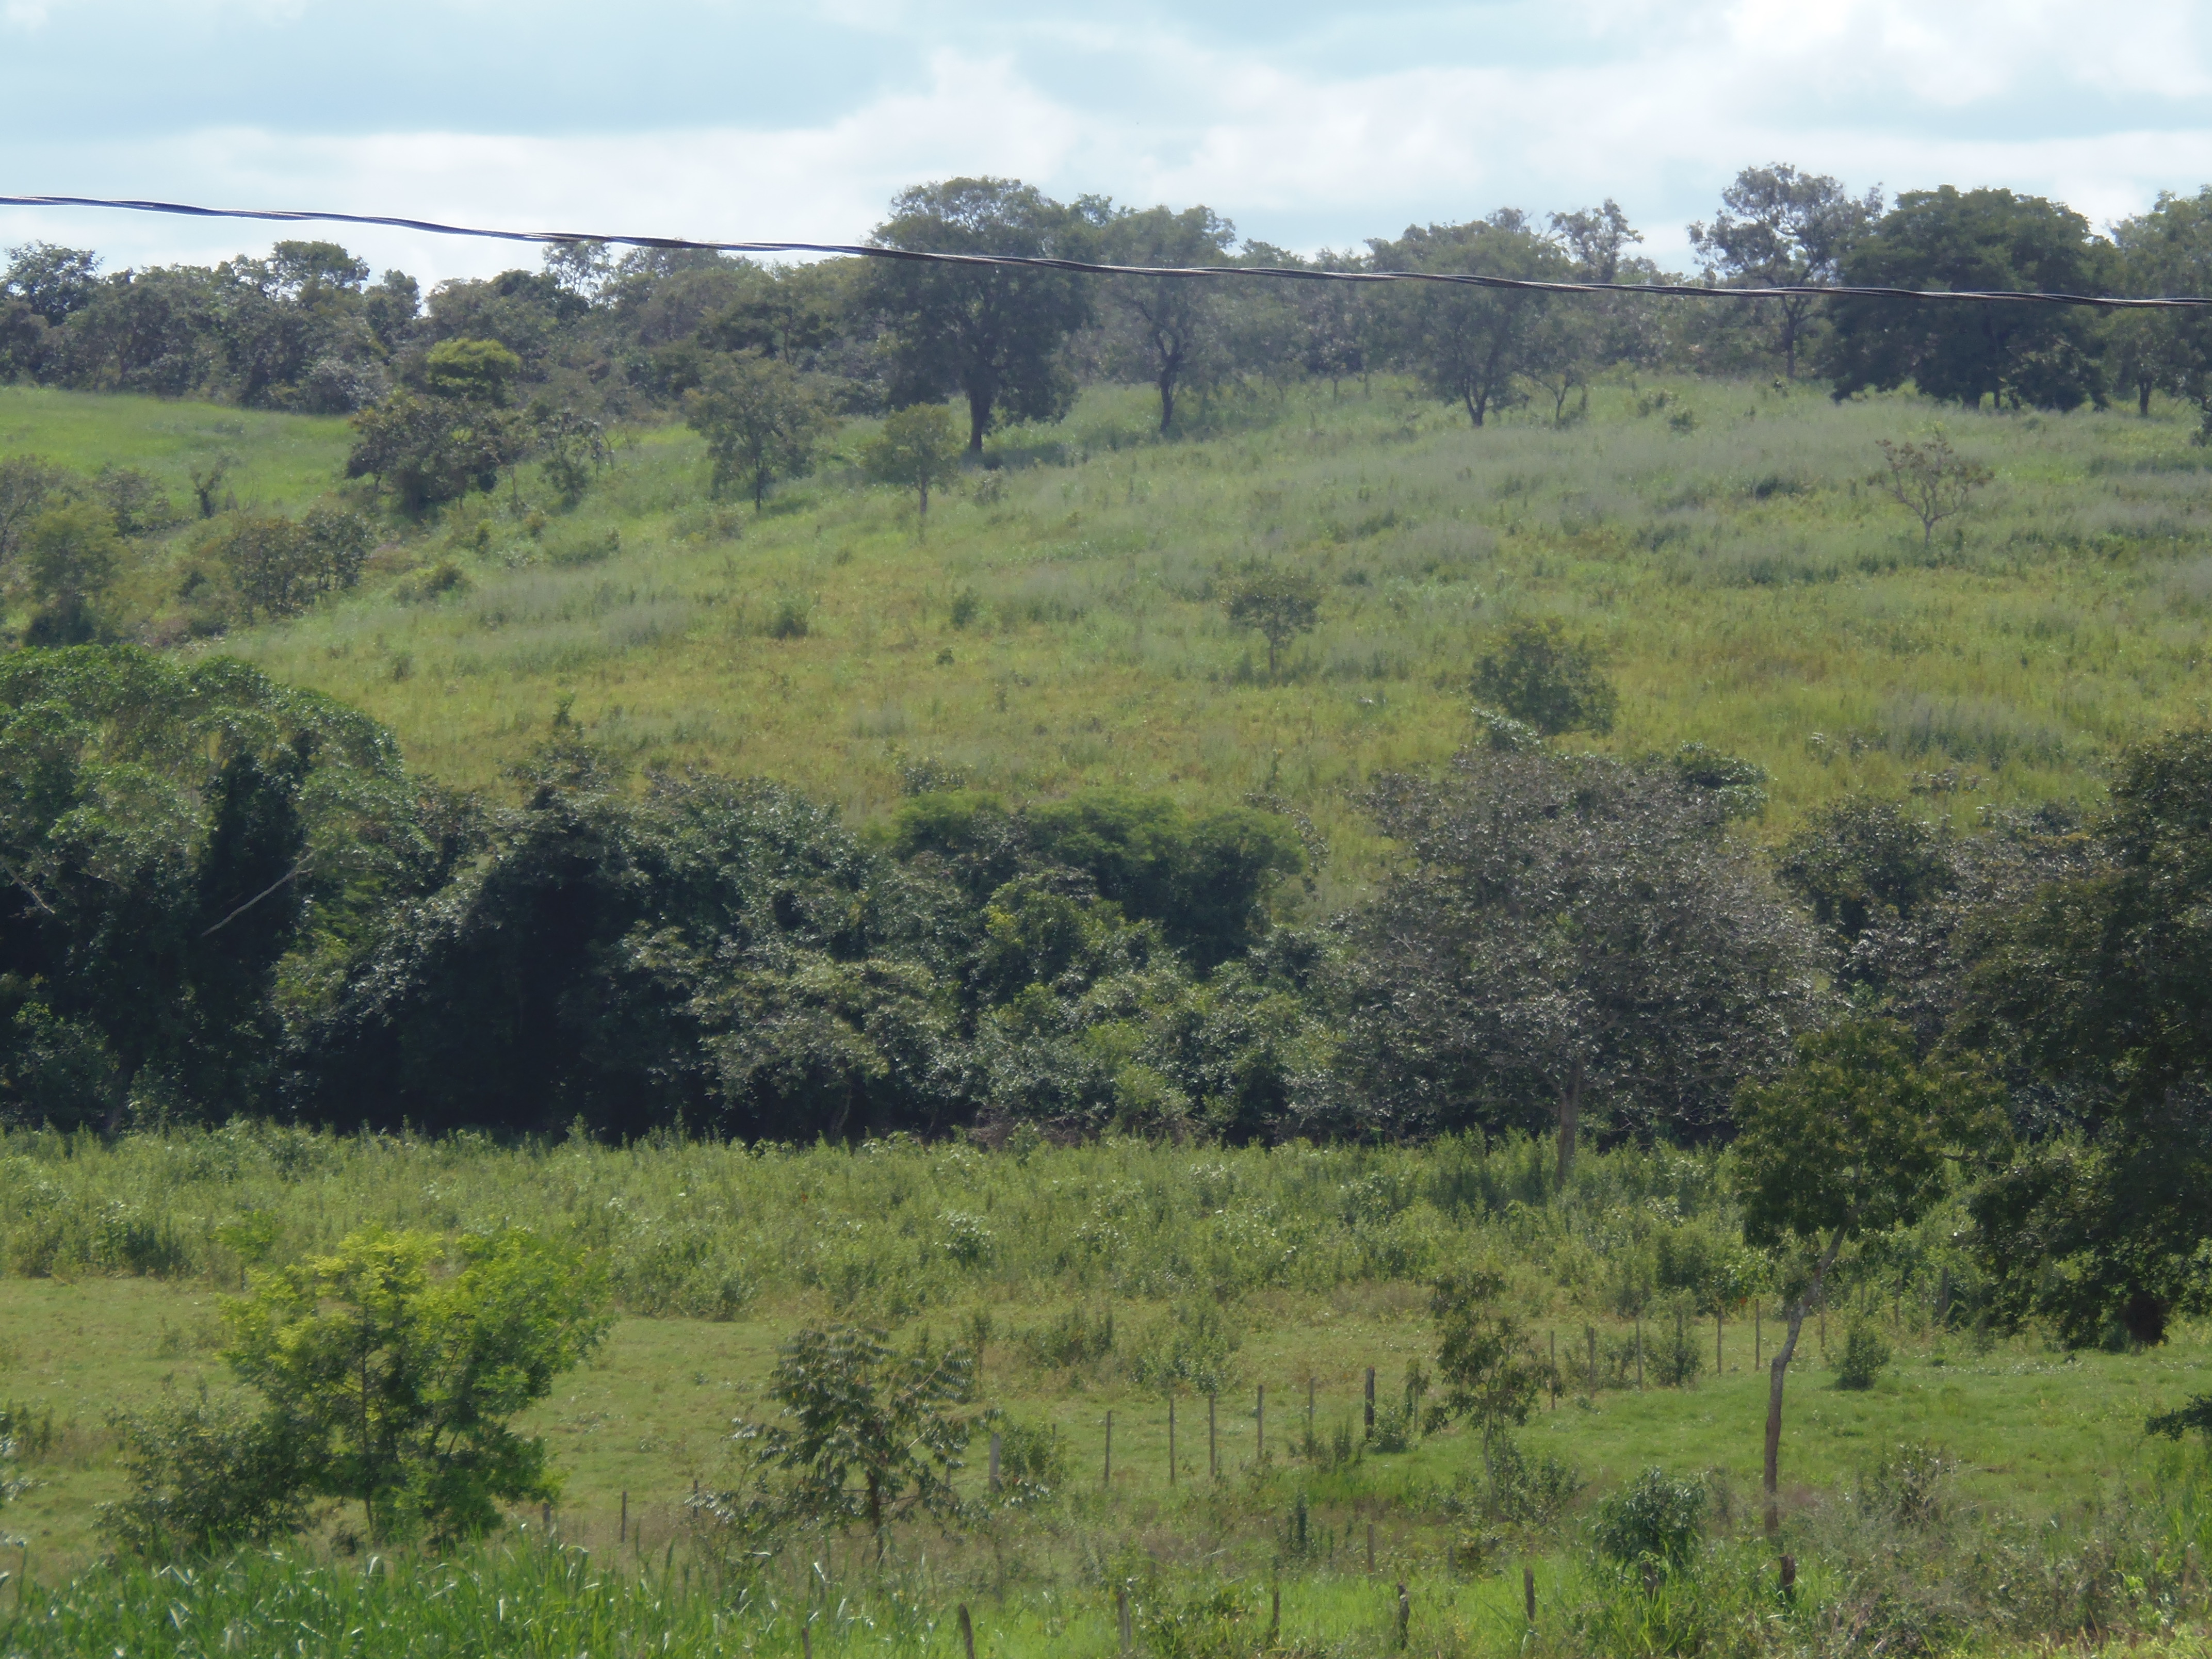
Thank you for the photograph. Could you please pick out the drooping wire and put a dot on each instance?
(1088, 267)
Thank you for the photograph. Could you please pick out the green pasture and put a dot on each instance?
(1060, 625)
(281, 462)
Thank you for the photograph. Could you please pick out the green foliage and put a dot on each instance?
(1674, 1355)
(477, 372)
(917, 449)
(2101, 980)
(1539, 674)
(1911, 1484)
(1931, 480)
(1860, 863)
(1865, 1354)
(762, 422)
(70, 554)
(207, 1476)
(1856, 1137)
(400, 1387)
(2033, 356)
(1658, 1520)
(866, 1436)
(1281, 604)
(429, 450)
(1486, 1357)
(1467, 345)
(1514, 1489)
(278, 566)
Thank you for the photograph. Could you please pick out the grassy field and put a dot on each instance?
(1060, 625)
(1313, 1263)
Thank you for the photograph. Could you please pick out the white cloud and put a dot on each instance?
(25, 15)
(1656, 106)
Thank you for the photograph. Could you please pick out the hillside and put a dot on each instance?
(1058, 625)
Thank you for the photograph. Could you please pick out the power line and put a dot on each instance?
(1092, 267)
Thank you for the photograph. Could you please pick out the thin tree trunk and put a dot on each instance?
(1571, 1118)
(979, 420)
(1778, 1372)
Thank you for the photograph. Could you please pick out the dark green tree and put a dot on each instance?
(2040, 357)
(1166, 328)
(1566, 932)
(1538, 673)
(762, 422)
(2101, 982)
(1486, 1356)
(994, 335)
(1469, 345)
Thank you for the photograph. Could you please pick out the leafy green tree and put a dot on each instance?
(168, 832)
(1779, 227)
(206, 1475)
(1567, 932)
(1281, 605)
(867, 1435)
(995, 335)
(2035, 356)
(278, 566)
(56, 282)
(428, 450)
(401, 1387)
(2167, 250)
(70, 554)
(2102, 982)
(1168, 325)
(1856, 1137)
(1466, 344)
(762, 422)
(916, 448)
(1859, 861)
(1538, 673)
(1486, 1357)
(481, 373)
(28, 485)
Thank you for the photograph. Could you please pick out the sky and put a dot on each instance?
(1308, 124)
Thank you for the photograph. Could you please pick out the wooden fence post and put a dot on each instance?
(1639, 1353)
(1107, 1480)
(1528, 1591)
(1590, 1331)
(1213, 1452)
(1370, 1402)
(967, 1631)
(996, 1444)
(1260, 1427)
(1171, 1468)
(1370, 1549)
(1121, 1616)
(1405, 1613)
(622, 1536)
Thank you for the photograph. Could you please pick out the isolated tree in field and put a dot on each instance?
(401, 1385)
(1854, 1138)
(206, 476)
(917, 449)
(1167, 324)
(762, 422)
(1546, 677)
(1931, 480)
(1486, 1358)
(1569, 935)
(996, 335)
(1471, 345)
(1281, 604)
(1778, 228)
(867, 1435)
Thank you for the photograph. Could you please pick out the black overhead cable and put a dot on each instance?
(1668, 290)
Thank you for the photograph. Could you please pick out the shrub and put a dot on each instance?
(1657, 1520)
(1865, 1353)
(1033, 1462)
(1909, 1485)
(1538, 673)
(206, 1476)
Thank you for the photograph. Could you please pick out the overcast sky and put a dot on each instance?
(1309, 125)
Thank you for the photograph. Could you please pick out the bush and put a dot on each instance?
(1658, 1520)
(1515, 1489)
(1676, 1358)
(206, 1476)
(1864, 1354)
(1537, 673)
(1909, 1485)
(1033, 1462)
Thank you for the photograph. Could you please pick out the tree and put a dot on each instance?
(1538, 673)
(55, 283)
(1778, 228)
(866, 1435)
(916, 448)
(761, 421)
(29, 484)
(1854, 1138)
(2102, 982)
(1466, 344)
(1281, 604)
(1168, 323)
(428, 450)
(2041, 356)
(479, 373)
(2165, 251)
(1485, 1356)
(70, 554)
(1931, 480)
(993, 334)
(1564, 931)
(400, 1387)
(1859, 862)
(278, 566)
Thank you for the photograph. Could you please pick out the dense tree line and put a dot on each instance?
(451, 387)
